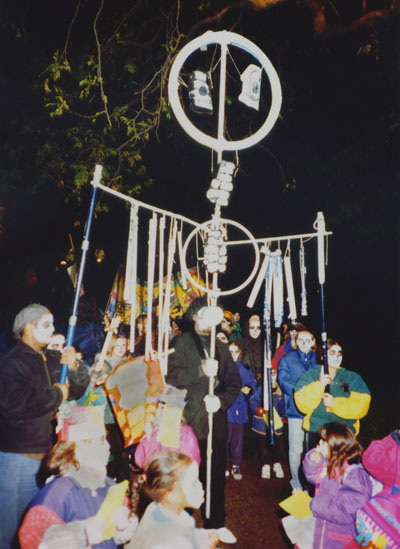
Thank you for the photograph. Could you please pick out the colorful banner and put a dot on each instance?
(180, 298)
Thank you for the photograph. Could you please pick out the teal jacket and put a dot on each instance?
(351, 399)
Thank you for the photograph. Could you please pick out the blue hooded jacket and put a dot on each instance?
(291, 366)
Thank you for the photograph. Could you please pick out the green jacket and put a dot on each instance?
(351, 399)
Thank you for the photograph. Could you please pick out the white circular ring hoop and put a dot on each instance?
(224, 37)
(211, 290)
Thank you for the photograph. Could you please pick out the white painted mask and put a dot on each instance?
(44, 328)
(254, 329)
(305, 341)
(57, 343)
(335, 356)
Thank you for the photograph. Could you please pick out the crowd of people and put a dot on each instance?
(68, 481)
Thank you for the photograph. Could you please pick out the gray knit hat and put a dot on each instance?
(30, 313)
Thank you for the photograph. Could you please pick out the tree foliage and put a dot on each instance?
(98, 75)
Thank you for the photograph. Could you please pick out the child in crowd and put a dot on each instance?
(237, 413)
(382, 460)
(291, 367)
(64, 512)
(57, 342)
(342, 485)
(118, 352)
(171, 481)
(266, 451)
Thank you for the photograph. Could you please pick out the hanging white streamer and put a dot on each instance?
(167, 300)
(150, 283)
(181, 260)
(290, 290)
(131, 253)
(303, 272)
(278, 288)
(131, 272)
(160, 283)
(260, 278)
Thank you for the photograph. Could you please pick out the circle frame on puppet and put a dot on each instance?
(212, 291)
(224, 38)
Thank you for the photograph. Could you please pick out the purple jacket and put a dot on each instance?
(335, 504)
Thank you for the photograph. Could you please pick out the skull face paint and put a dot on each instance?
(44, 328)
(254, 329)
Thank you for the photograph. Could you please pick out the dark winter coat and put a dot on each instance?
(29, 400)
(184, 372)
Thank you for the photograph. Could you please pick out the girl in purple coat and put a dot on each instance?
(342, 485)
(237, 413)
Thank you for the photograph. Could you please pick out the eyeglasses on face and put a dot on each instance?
(304, 341)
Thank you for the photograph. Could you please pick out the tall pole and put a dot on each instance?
(85, 247)
(211, 381)
(320, 226)
(268, 403)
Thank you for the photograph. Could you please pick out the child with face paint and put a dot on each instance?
(251, 346)
(291, 367)
(171, 481)
(347, 401)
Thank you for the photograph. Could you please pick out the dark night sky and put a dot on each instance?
(332, 146)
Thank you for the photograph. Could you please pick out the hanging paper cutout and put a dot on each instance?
(133, 389)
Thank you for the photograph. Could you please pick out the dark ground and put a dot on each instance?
(251, 505)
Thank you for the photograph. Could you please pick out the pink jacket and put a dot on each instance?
(150, 446)
(382, 460)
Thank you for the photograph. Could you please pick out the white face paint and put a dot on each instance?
(120, 347)
(44, 328)
(192, 487)
(57, 343)
(335, 356)
(254, 329)
(93, 453)
(222, 337)
(305, 341)
(235, 352)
